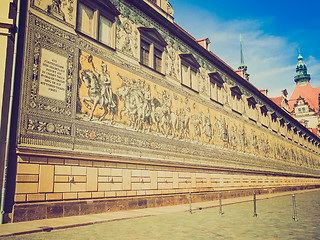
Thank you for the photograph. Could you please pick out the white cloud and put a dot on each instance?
(313, 65)
(271, 60)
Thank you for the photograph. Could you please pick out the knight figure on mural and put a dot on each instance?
(99, 91)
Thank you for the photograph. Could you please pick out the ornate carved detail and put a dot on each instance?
(204, 83)
(62, 10)
(172, 63)
(48, 127)
(53, 30)
(127, 37)
(42, 40)
(91, 48)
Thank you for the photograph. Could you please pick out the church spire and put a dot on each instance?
(242, 66)
(302, 71)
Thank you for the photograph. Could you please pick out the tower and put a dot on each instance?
(243, 68)
(304, 101)
(302, 76)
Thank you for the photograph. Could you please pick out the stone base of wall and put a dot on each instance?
(44, 210)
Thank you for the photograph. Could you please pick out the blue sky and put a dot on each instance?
(272, 32)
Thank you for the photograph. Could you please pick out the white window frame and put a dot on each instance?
(156, 43)
(190, 79)
(236, 99)
(216, 87)
(106, 11)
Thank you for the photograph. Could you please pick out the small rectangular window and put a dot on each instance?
(194, 80)
(213, 91)
(152, 46)
(189, 70)
(219, 93)
(185, 75)
(85, 20)
(216, 84)
(157, 60)
(97, 20)
(105, 30)
(145, 51)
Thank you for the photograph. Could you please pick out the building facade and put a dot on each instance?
(120, 108)
(303, 104)
(304, 101)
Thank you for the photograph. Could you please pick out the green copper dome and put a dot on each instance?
(301, 70)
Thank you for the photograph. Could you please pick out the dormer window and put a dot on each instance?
(236, 92)
(274, 117)
(152, 46)
(189, 69)
(282, 122)
(264, 110)
(97, 20)
(264, 120)
(216, 86)
(251, 102)
(252, 109)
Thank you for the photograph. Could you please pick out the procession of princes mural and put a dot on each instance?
(110, 95)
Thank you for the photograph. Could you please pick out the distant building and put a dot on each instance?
(304, 101)
(303, 104)
(282, 101)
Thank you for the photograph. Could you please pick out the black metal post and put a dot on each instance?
(190, 210)
(295, 214)
(255, 205)
(220, 203)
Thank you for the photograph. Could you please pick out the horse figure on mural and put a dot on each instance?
(96, 96)
(138, 103)
(144, 111)
(132, 101)
(175, 124)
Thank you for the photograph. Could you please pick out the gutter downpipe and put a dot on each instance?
(7, 149)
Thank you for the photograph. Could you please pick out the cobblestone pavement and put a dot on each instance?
(274, 221)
